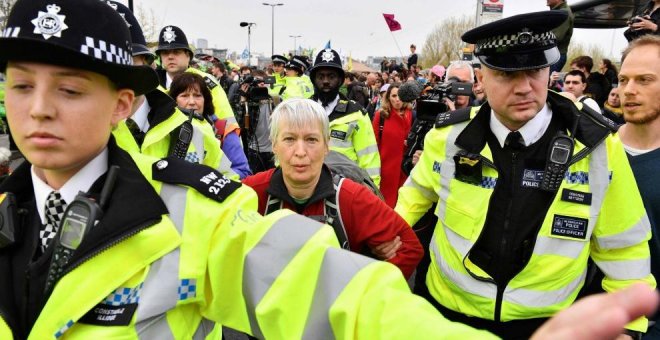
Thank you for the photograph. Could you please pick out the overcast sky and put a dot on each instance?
(354, 26)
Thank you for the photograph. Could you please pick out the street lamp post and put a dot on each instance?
(249, 26)
(294, 42)
(272, 6)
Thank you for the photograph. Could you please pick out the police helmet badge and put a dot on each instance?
(525, 37)
(327, 55)
(168, 35)
(50, 23)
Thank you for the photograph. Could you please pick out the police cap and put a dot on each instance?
(296, 64)
(520, 42)
(69, 33)
(277, 58)
(173, 38)
(327, 58)
(137, 36)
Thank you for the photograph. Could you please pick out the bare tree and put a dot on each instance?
(149, 23)
(444, 43)
(5, 7)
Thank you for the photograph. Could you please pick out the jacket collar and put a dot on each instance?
(162, 107)
(324, 188)
(591, 128)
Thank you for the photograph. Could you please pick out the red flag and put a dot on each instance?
(391, 23)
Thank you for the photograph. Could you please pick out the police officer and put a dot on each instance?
(294, 84)
(528, 188)
(175, 56)
(350, 128)
(157, 125)
(279, 61)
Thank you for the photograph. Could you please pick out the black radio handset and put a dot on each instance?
(559, 159)
(181, 137)
(79, 218)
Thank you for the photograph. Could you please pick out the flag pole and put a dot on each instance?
(397, 45)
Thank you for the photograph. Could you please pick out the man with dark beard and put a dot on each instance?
(350, 128)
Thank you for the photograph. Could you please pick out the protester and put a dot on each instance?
(613, 109)
(644, 22)
(608, 69)
(575, 82)
(597, 85)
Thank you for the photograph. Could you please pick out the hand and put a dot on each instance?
(416, 156)
(387, 250)
(644, 24)
(601, 316)
(450, 104)
(554, 76)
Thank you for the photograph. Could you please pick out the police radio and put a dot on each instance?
(181, 137)
(556, 165)
(79, 218)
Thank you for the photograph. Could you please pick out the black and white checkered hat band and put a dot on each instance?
(279, 60)
(101, 50)
(514, 40)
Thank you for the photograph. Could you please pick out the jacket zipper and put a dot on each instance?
(504, 243)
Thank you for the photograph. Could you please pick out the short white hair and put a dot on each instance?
(300, 113)
(460, 64)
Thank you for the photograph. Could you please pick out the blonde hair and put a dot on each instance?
(385, 108)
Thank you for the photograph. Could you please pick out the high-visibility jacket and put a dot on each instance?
(221, 103)
(614, 224)
(296, 87)
(166, 117)
(351, 134)
(275, 89)
(183, 258)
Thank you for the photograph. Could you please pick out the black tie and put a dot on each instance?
(135, 131)
(514, 141)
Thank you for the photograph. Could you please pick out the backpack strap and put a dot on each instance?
(332, 213)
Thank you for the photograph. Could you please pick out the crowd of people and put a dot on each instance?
(162, 195)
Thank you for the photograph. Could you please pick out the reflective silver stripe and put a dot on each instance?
(457, 241)
(160, 292)
(231, 119)
(198, 142)
(154, 328)
(225, 166)
(205, 328)
(599, 181)
(337, 270)
(335, 143)
(264, 263)
(463, 281)
(429, 194)
(368, 150)
(373, 171)
(555, 246)
(447, 170)
(545, 298)
(634, 235)
(627, 269)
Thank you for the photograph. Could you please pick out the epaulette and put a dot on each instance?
(452, 117)
(206, 180)
(210, 83)
(198, 117)
(342, 106)
(353, 106)
(599, 118)
(187, 112)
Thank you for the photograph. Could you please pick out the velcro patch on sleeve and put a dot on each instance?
(576, 196)
(210, 83)
(336, 134)
(568, 226)
(202, 178)
(109, 315)
(452, 117)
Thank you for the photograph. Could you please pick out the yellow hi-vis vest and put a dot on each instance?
(204, 147)
(616, 234)
(296, 87)
(221, 104)
(353, 136)
(275, 277)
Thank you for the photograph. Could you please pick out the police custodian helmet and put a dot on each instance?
(173, 38)
(520, 42)
(83, 34)
(328, 58)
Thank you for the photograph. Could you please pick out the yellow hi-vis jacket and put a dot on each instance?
(296, 87)
(204, 147)
(275, 277)
(351, 134)
(616, 235)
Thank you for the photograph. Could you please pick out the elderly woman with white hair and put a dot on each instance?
(363, 223)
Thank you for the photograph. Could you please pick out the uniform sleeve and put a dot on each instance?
(419, 191)
(221, 105)
(283, 277)
(366, 148)
(620, 239)
(232, 147)
(373, 222)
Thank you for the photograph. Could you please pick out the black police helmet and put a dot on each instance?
(520, 42)
(82, 34)
(173, 38)
(327, 58)
(137, 36)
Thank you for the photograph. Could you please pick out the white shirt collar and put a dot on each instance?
(141, 114)
(81, 181)
(331, 106)
(168, 81)
(531, 132)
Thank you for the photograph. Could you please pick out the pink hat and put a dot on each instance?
(438, 70)
(384, 88)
